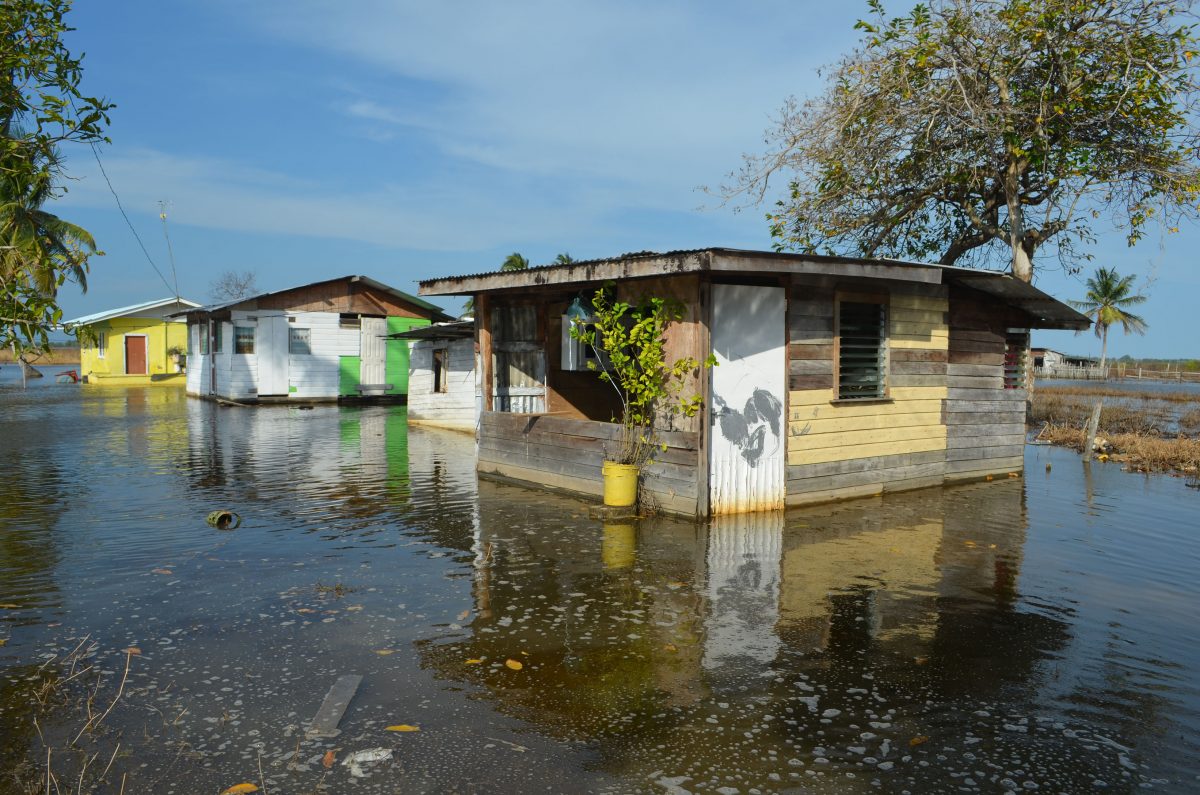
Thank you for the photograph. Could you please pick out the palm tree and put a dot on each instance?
(514, 262)
(36, 246)
(564, 259)
(1108, 295)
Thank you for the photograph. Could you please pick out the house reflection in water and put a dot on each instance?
(729, 647)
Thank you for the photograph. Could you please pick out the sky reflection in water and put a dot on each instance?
(1032, 632)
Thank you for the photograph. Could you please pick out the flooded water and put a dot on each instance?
(1024, 634)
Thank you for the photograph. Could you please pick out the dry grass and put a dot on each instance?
(1071, 411)
(1100, 390)
(64, 355)
(1138, 452)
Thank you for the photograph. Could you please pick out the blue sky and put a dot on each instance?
(307, 139)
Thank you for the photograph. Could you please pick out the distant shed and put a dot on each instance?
(442, 389)
(837, 377)
(327, 340)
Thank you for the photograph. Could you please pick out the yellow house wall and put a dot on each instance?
(160, 335)
(821, 431)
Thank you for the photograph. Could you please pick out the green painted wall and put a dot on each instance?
(396, 353)
(349, 369)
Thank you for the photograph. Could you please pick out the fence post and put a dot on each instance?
(1092, 427)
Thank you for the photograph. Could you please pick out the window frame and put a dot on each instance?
(883, 301)
(101, 344)
(440, 365)
(1016, 362)
(292, 332)
(217, 346)
(237, 343)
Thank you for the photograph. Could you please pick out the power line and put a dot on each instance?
(96, 154)
(162, 213)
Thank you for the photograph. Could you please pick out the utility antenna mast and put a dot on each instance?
(162, 214)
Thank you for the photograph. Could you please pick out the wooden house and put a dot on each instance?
(836, 377)
(323, 341)
(134, 345)
(442, 389)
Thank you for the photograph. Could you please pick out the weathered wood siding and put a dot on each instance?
(985, 423)
(854, 448)
(568, 455)
(454, 408)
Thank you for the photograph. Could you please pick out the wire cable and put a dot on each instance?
(136, 236)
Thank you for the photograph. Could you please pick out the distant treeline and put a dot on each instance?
(59, 354)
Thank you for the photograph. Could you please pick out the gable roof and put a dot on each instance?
(353, 279)
(1047, 310)
(130, 311)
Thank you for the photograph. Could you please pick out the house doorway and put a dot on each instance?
(136, 355)
(373, 352)
(272, 355)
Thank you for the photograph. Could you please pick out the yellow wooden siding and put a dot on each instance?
(160, 335)
(821, 430)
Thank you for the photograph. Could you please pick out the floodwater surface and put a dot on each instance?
(1032, 633)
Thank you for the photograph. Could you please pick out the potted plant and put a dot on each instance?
(630, 342)
(176, 354)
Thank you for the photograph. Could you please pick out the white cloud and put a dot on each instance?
(227, 194)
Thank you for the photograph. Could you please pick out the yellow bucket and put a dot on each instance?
(620, 484)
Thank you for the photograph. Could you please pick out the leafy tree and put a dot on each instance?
(514, 262)
(232, 285)
(41, 107)
(975, 131)
(1108, 296)
(564, 259)
(633, 338)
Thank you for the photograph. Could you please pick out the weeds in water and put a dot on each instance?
(337, 589)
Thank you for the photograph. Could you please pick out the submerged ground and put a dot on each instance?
(1024, 634)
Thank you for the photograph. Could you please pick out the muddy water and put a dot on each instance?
(1029, 634)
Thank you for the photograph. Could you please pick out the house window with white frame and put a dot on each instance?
(101, 344)
(299, 341)
(243, 340)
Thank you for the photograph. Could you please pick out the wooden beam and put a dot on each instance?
(483, 326)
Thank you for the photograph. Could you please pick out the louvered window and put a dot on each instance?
(1016, 343)
(862, 350)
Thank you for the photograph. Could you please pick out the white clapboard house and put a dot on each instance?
(329, 340)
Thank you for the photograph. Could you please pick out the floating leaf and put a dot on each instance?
(168, 571)
(475, 661)
(133, 650)
(385, 652)
(238, 789)
(918, 740)
(464, 615)
(305, 610)
(516, 665)
(9, 606)
(354, 608)
(403, 727)
(671, 647)
(328, 759)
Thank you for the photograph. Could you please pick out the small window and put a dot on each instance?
(862, 350)
(202, 339)
(441, 370)
(101, 344)
(243, 339)
(1016, 344)
(217, 346)
(349, 321)
(299, 341)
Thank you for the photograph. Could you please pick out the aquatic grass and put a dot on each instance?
(1138, 452)
(1070, 411)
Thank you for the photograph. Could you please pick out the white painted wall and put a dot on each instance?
(455, 408)
(310, 376)
(748, 421)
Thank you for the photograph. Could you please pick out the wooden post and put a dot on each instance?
(1092, 427)
(483, 320)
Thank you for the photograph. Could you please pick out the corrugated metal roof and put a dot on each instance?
(127, 311)
(439, 312)
(1048, 310)
(459, 329)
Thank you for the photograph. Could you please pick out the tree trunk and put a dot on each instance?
(1103, 345)
(1022, 263)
